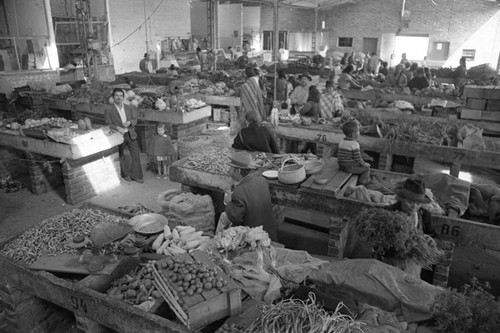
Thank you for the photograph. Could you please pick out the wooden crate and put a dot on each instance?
(493, 105)
(474, 92)
(210, 305)
(476, 103)
(491, 92)
(471, 114)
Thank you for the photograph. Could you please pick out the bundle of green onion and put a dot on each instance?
(297, 316)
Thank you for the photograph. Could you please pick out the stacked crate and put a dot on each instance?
(482, 103)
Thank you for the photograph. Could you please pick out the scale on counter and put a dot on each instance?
(87, 263)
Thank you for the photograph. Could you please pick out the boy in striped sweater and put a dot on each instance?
(349, 156)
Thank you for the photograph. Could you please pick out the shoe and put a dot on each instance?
(127, 178)
(140, 181)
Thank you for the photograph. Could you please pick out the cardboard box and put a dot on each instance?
(491, 92)
(491, 116)
(220, 115)
(476, 103)
(471, 114)
(493, 105)
(473, 92)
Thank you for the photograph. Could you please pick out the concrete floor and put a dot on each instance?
(21, 210)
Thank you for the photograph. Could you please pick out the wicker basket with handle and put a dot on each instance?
(291, 174)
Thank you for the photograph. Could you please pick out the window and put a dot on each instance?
(469, 54)
(345, 41)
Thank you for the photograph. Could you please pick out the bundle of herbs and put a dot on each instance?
(473, 309)
(406, 129)
(391, 235)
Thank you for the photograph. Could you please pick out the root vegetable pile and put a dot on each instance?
(213, 159)
(179, 240)
(295, 315)
(137, 287)
(187, 279)
(51, 235)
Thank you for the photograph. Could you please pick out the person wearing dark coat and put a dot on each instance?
(409, 200)
(250, 203)
(255, 137)
(123, 118)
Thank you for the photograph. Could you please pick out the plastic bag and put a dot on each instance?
(160, 104)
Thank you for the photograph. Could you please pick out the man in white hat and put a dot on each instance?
(250, 203)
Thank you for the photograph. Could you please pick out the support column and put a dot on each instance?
(89, 176)
(44, 173)
(51, 47)
(21, 312)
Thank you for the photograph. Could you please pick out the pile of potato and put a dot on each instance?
(137, 287)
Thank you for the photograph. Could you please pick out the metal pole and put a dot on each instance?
(315, 27)
(276, 42)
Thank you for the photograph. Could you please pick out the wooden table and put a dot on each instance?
(234, 104)
(325, 134)
(490, 128)
(329, 199)
(377, 94)
(88, 168)
(143, 114)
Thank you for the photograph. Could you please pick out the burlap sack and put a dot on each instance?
(191, 209)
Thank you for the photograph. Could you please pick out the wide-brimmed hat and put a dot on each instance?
(242, 160)
(305, 75)
(414, 190)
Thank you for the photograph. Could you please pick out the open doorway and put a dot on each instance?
(415, 47)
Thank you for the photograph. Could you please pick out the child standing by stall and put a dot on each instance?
(163, 150)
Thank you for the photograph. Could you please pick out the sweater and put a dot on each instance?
(251, 205)
(349, 155)
(255, 138)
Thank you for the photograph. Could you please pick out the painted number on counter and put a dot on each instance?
(321, 137)
(447, 230)
(24, 143)
(78, 304)
(458, 156)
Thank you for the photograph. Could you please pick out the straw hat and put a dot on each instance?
(242, 160)
(414, 190)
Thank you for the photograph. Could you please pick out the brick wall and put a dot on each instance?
(89, 176)
(12, 162)
(66, 8)
(21, 312)
(172, 19)
(230, 20)
(19, 79)
(290, 19)
(175, 131)
(465, 24)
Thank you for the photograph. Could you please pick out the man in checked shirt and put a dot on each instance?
(331, 104)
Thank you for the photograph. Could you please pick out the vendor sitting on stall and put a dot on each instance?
(397, 80)
(255, 137)
(410, 199)
(346, 81)
(299, 95)
(250, 203)
(171, 71)
(419, 82)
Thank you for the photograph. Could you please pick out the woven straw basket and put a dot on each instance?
(291, 174)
